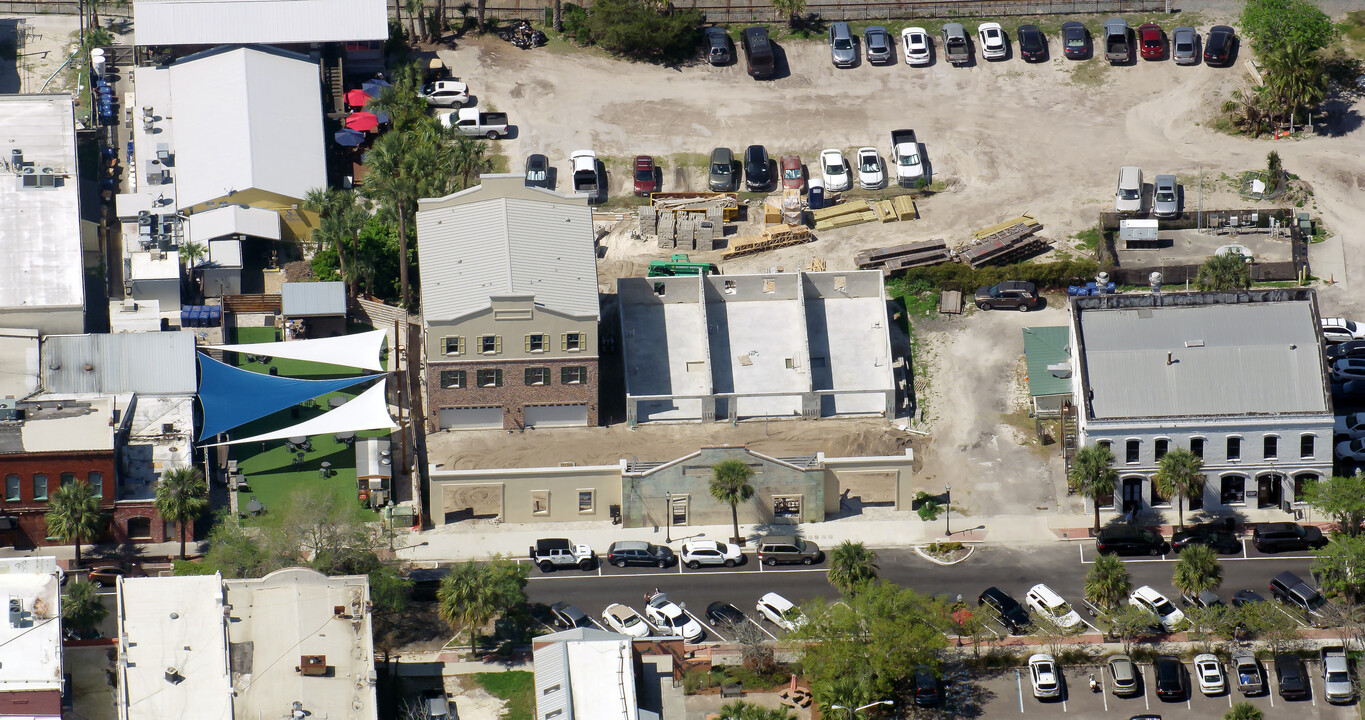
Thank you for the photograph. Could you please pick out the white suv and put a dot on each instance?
(696, 553)
(1166, 613)
(780, 611)
(1128, 196)
(1042, 600)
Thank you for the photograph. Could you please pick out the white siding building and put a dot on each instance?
(1237, 378)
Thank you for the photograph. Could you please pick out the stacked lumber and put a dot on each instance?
(853, 212)
(900, 257)
(1006, 242)
(772, 238)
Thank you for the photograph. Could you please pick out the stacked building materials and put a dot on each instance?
(900, 257)
(854, 212)
(1006, 242)
(774, 236)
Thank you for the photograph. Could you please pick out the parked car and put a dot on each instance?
(537, 171)
(1290, 674)
(722, 178)
(759, 59)
(1353, 450)
(1216, 534)
(841, 49)
(1185, 45)
(1337, 686)
(1165, 197)
(992, 38)
(1170, 678)
(1150, 41)
(1348, 369)
(1349, 389)
(1045, 676)
(639, 552)
(1339, 329)
(696, 553)
(1005, 608)
(646, 176)
(1209, 671)
(1018, 294)
(1128, 196)
(724, 614)
(1246, 671)
(1124, 676)
(924, 682)
(1129, 540)
(1045, 601)
(1166, 612)
(470, 122)
(780, 611)
(955, 46)
(793, 175)
(1032, 44)
(1218, 45)
(774, 549)
(587, 178)
(550, 554)
(569, 616)
(445, 93)
(918, 47)
(757, 177)
(1349, 426)
(1291, 589)
(435, 704)
(906, 157)
(1350, 348)
(1075, 40)
(1285, 536)
(626, 621)
(877, 44)
(107, 575)
(1116, 46)
(834, 171)
(871, 176)
(670, 619)
(719, 48)
(1203, 599)
(1246, 597)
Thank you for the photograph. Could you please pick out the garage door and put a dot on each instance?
(556, 415)
(471, 418)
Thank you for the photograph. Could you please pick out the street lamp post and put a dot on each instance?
(948, 509)
(853, 711)
(668, 517)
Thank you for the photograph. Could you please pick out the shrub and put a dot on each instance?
(634, 29)
(928, 512)
(575, 22)
(957, 276)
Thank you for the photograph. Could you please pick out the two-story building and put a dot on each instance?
(1236, 378)
(509, 307)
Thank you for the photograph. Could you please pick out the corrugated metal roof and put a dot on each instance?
(1228, 359)
(1045, 346)
(220, 22)
(311, 299)
(552, 668)
(153, 363)
(507, 246)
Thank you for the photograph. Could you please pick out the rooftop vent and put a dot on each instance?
(173, 676)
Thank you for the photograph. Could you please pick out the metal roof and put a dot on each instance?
(226, 220)
(494, 243)
(1214, 359)
(593, 672)
(244, 119)
(1045, 346)
(152, 363)
(313, 299)
(552, 670)
(219, 22)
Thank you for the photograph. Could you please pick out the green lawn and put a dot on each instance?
(517, 687)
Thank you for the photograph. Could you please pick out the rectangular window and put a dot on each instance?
(551, 689)
(540, 502)
(39, 486)
(1306, 447)
(490, 344)
(1106, 445)
(538, 376)
(1301, 483)
(12, 488)
(1233, 490)
(68, 478)
(587, 501)
(1131, 452)
(537, 343)
(453, 379)
(1160, 449)
(787, 506)
(1234, 448)
(572, 342)
(573, 375)
(679, 509)
(1197, 447)
(454, 345)
(96, 481)
(490, 377)
(1157, 499)
(1272, 447)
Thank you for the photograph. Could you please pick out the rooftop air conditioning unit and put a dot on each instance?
(129, 305)
(29, 170)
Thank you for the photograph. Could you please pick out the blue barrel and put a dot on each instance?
(185, 318)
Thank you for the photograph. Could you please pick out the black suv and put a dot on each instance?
(1010, 612)
(1291, 676)
(1129, 540)
(756, 173)
(1170, 678)
(1218, 45)
(1218, 535)
(639, 552)
(1290, 588)
(758, 52)
(1017, 294)
(926, 687)
(1284, 536)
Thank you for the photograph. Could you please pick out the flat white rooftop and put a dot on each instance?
(61, 423)
(18, 362)
(32, 637)
(158, 440)
(171, 631)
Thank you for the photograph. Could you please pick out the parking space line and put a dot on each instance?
(704, 625)
(1081, 548)
(760, 627)
(1291, 617)
(1019, 685)
(1147, 703)
(1244, 550)
(597, 624)
(1270, 693)
(1188, 697)
(1092, 627)
(1103, 695)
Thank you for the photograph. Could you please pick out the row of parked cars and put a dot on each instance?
(1130, 200)
(1171, 678)
(552, 554)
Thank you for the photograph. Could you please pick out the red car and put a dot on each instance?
(1151, 42)
(646, 177)
(793, 175)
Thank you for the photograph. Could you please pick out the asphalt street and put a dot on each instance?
(1013, 569)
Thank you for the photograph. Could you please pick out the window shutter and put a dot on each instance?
(528, 343)
(564, 341)
(497, 343)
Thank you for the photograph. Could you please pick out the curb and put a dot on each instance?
(970, 550)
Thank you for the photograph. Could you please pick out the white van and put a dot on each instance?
(1042, 600)
(1128, 197)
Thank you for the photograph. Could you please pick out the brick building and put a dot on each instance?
(31, 662)
(509, 307)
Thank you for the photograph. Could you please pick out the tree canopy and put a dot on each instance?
(73, 514)
(474, 594)
(730, 485)
(1341, 498)
(182, 496)
(1092, 475)
(1197, 570)
(1275, 24)
(851, 567)
(1107, 583)
(1180, 473)
(640, 30)
(1337, 566)
(1224, 272)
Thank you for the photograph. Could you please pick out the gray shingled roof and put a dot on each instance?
(507, 246)
(1229, 359)
(151, 363)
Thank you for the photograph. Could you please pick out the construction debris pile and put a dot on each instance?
(688, 221)
(854, 212)
(1007, 242)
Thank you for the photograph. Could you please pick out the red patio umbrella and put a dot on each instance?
(357, 98)
(363, 121)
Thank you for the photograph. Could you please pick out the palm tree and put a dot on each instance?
(1197, 570)
(1180, 474)
(1092, 475)
(1224, 272)
(740, 710)
(182, 496)
(82, 608)
(340, 220)
(191, 252)
(1108, 584)
(1248, 111)
(402, 100)
(1295, 77)
(73, 514)
(481, 12)
(730, 484)
(1244, 711)
(559, 16)
(851, 566)
(473, 594)
(389, 181)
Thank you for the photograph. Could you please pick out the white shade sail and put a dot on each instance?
(360, 350)
(367, 411)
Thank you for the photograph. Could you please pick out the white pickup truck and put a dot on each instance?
(905, 155)
(472, 123)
